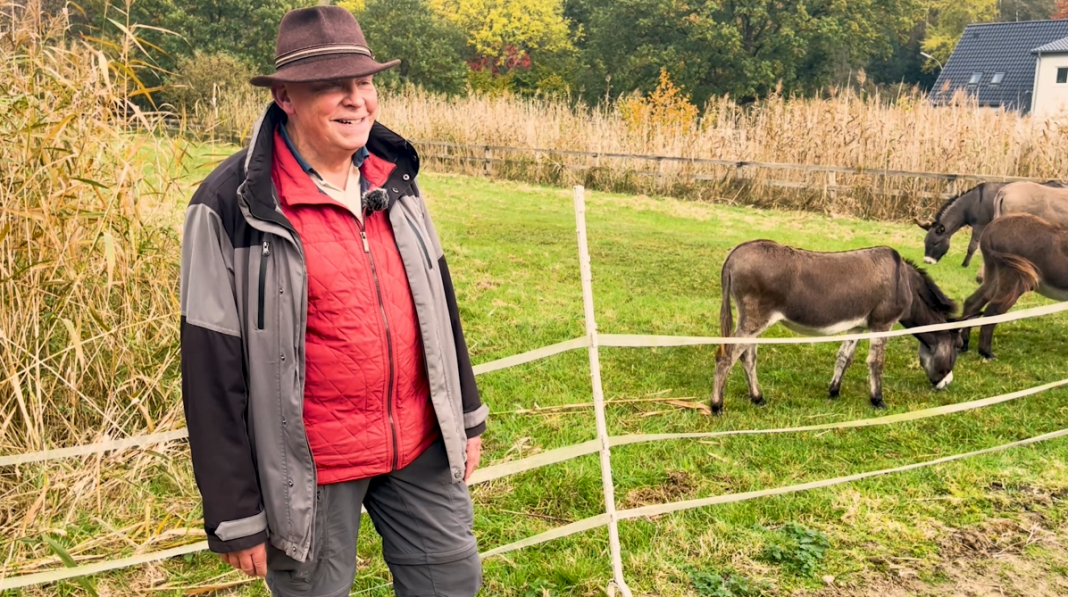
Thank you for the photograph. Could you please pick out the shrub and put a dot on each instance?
(203, 78)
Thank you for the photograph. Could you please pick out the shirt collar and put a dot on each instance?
(357, 158)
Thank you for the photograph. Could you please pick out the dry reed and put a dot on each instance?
(89, 250)
(864, 132)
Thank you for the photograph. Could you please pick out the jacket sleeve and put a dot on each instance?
(475, 413)
(214, 394)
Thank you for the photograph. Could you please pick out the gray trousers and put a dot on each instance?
(425, 521)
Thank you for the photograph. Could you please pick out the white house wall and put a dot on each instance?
(1050, 97)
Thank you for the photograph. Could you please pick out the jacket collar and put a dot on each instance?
(383, 145)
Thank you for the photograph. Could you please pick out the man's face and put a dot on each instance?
(330, 116)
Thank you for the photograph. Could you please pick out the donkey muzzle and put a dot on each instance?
(945, 382)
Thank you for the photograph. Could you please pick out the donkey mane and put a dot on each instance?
(949, 203)
(931, 294)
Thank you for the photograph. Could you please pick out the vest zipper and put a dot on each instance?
(389, 342)
(421, 243)
(264, 254)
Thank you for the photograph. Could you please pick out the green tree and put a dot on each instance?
(948, 18)
(1025, 10)
(521, 46)
(501, 29)
(741, 47)
(244, 29)
(431, 49)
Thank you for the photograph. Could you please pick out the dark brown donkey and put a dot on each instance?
(830, 293)
(1021, 253)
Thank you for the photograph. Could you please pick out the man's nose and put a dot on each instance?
(352, 94)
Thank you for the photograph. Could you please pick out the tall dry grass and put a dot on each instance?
(870, 132)
(89, 249)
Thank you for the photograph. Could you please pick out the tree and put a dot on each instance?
(244, 29)
(741, 47)
(504, 31)
(905, 64)
(1060, 10)
(431, 49)
(948, 20)
(1025, 10)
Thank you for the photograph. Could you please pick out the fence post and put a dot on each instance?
(832, 185)
(489, 162)
(739, 172)
(598, 393)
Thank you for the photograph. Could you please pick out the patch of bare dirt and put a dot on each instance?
(987, 560)
(676, 486)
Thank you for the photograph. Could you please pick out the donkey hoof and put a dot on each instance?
(717, 410)
(987, 356)
(833, 393)
(877, 402)
(758, 400)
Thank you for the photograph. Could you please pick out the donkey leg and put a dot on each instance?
(876, 359)
(986, 333)
(749, 365)
(845, 359)
(973, 306)
(973, 244)
(726, 357)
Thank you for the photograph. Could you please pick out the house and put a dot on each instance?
(1051, 79)
(1010, 65)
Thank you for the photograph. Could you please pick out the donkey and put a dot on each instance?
(973, 208)
(830, 293)
(1021, 253)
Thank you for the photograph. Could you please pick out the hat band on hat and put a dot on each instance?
(321, 51)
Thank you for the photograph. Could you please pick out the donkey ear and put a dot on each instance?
(926, 226)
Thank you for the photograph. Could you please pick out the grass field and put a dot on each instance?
(993, 521)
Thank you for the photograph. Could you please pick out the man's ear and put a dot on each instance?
(281, 97)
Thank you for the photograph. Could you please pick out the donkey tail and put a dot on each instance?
(1022, 275)
(726, 320)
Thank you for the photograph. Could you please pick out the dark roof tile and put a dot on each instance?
(990, 48)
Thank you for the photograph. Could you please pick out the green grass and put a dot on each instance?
(656, 262)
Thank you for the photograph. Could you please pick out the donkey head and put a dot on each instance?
(938, 350)
(947, 221)
(938, 355)
(936, 243)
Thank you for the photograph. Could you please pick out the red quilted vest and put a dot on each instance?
(367, 408)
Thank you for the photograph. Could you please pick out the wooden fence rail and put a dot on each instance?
(742, 169)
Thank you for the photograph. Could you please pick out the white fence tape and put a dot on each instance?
(40, 578)
(659, 509)
(529, 357)
(558, 455)
(507, 469)
(139, 441)
(641, 341)
(158, 438)
(606, 340)
(592, 341)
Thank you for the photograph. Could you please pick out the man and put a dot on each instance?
(323, 361)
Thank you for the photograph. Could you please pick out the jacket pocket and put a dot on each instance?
(261, 296)
(419, 237)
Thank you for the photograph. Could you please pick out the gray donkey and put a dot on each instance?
(1021, 253)
(830, 293)
(974, 208)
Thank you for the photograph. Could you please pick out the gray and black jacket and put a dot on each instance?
(244, 313)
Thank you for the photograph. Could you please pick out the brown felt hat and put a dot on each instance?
(319, 44)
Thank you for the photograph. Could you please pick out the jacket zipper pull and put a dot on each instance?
(366, 247)
(266, 248)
